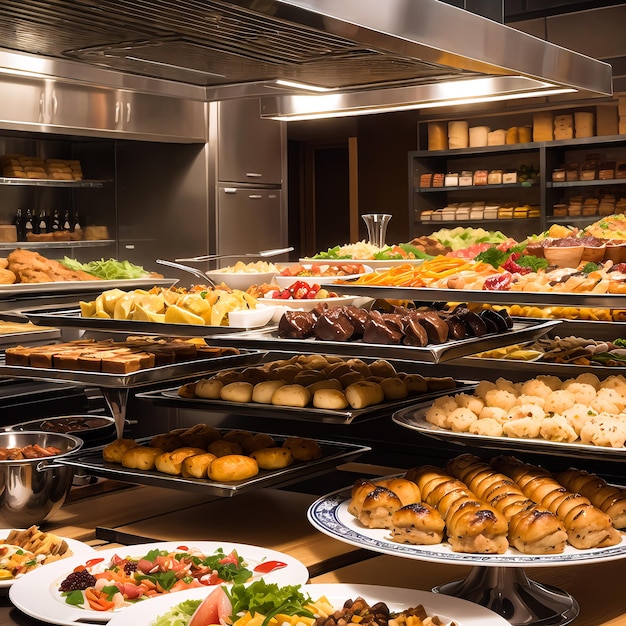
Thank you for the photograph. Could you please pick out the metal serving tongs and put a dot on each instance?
(263, 254)
(186, 268)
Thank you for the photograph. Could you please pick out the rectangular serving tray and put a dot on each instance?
(425, 294)
(414, 419)
(81, 286)
(335, 453)
(169, 397)
(268, 339)
(175, 371)
(70, 317)
(34, 335)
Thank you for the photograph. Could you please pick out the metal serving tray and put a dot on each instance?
(413, 418)
(81, 286)
(29, 336)
(335, 454)
(146, 376)
(70, 317)
(268, 339)
(536, 367)
(424, 294)
(170, 397)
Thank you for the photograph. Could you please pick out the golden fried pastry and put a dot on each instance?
(233, 467)
(256, 442)
(263, 391)
(293, 395)
(167, 442)
(273, 457)
(223, 447)
(303, 449)
(209, 388)
(172, 462)
(7, 277)
(237, 435)
(197, 465)
(239, 391)
(113, 452)
(332, 399)
(200, 436)
(140, 457)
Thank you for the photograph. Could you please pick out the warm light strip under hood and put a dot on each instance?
(445, 93)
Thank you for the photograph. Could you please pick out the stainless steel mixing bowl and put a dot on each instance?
(33, 489)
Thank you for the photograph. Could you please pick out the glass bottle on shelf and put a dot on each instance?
(29, 223)
(18, 221)
(55, 222)
(66, 224)
(42, 224)
(76, 225)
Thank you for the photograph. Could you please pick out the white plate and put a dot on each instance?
(251, 318)
(286, 281)
(330, 515)
(77, 548)
(37, 594)
(375, 264)
(448, 608)
(240, 280)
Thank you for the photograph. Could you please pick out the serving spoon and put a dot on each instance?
(186, 268)
(262, 253)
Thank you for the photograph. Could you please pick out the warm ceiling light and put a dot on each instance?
(303, 86)
(445, 93)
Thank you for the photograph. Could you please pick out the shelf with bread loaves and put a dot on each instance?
(577, 161)
(496, 186)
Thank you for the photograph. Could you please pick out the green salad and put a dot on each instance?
(108, 269)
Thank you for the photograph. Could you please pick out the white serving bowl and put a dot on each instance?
(240, 280)
(251, 318)
(286, 281)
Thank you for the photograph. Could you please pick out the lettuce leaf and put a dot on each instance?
(109, 269)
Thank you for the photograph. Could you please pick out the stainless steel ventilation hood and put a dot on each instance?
(367, 49)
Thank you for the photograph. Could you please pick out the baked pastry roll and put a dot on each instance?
(418, 524)
(533, 529)
(586, 525)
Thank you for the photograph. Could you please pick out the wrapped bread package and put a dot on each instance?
(496, 137)
(478, 136)
(583, 124)
(564, 126)
(437, 136)
(542, 126)
(458, 134)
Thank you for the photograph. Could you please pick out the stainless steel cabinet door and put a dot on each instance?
(249, 220)
(250, 149)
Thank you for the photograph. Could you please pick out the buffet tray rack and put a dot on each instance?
(70, 317)
(61, 288)
(335, 453)
(267, 338)
(147, 376)
(414, 419)
(425, 294)
(170, 398)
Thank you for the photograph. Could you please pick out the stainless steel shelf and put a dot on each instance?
(46, 245)
(46, 182)
(424, 294)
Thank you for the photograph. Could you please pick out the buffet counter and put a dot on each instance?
(107, 514)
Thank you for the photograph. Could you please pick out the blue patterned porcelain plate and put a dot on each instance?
(329, 514)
